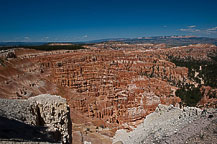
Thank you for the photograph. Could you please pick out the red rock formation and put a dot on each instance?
(117, 88)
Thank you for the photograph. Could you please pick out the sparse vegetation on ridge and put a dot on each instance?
(206, 70)
(189, 95)
(48, 47)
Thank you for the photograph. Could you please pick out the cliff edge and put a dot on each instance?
(170, 124)
(43, 118)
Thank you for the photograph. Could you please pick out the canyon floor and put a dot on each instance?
(113, 88)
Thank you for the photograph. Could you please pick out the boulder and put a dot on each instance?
(44, 118)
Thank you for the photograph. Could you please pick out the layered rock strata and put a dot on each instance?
(109, 86)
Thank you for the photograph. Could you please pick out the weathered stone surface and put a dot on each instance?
(46, 111)
(168, 124)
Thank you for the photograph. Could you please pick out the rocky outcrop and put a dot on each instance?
(111, 86)
(7, 54)
(41, 118)
(116, 86)
(168, 124)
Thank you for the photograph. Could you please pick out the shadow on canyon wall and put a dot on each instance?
(13, 130)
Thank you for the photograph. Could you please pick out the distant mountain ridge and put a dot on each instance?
(168, 40)
(17, 44)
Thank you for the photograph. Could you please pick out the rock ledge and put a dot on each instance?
(44, 118)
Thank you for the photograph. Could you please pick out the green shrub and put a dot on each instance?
(208, 72)
(189, 94)
(48, 47)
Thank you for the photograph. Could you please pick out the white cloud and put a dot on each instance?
(193, 29)
(192, 26)
(85, 36)
(45, 38)
(190, 30)
(26, 38)
(214, 29)
(183, 29)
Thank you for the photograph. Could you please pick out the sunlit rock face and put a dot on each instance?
(117, 86)
(169, 124)
(40, 118)
(106, 86)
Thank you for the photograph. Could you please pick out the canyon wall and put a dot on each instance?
(109, 86)
(115, 86)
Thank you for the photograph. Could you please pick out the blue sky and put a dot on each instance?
(83, 20)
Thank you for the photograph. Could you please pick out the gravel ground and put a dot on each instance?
(168, 125)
